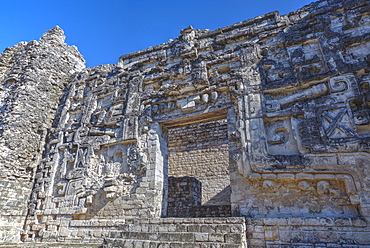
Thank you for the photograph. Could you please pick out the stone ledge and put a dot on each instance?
(315, 221)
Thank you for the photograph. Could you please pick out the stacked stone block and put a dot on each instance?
(178, 232)
(13, 209)
(212, 211)
(184, 194)
(184, 200)
(201, 151)
(308, 232)
(158, 232)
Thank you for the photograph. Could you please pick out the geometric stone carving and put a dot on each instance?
(90, 145)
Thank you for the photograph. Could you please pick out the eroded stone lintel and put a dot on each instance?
(195, 119)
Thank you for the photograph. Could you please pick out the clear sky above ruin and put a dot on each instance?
(105, 30)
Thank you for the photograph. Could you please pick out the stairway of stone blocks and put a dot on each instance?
(217, 232)
(179, 232)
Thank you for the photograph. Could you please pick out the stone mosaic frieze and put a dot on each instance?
(91, 144)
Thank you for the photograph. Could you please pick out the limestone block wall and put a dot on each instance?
(285, 197)
(152, 232)
(13, 198)
(184, 200)
(202, 151)
(308, 232)
(184, 193)
(293, 90)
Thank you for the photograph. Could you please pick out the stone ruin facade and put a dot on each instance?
(256, 134)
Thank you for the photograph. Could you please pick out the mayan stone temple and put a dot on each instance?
(252, 135)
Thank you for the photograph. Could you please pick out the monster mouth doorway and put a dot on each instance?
(198, 166)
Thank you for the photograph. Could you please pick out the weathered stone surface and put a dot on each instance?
(291, 91)
(32, 78)
(201, 151)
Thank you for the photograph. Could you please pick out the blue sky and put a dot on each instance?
(105, 30)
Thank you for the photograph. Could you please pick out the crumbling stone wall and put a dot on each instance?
(32, 78)
(184, 193)
(294, 90)
(13, 199)
(202, 151)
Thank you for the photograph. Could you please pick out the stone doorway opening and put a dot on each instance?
(198, 166)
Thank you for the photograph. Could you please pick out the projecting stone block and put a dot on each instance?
(188, 106)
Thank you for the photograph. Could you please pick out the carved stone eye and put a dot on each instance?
(338, 85)
(280, 136)
(361, 117)
(272, 105)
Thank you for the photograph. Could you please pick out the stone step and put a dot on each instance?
(51, 244)
(179, 232)
(220, 230)
(172, 220)
(132, 243)
(194, 232)
(184, 227)
(157, 221)
(232, 238)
